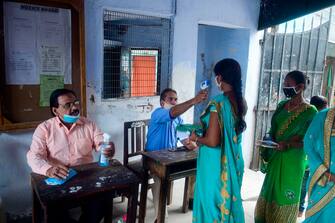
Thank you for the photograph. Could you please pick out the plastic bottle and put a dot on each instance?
(104, 161)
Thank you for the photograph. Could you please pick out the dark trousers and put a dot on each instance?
(303, 191)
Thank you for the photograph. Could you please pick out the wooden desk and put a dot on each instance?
(168, 166)
(114, 180)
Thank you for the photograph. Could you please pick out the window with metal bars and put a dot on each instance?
(137, 55)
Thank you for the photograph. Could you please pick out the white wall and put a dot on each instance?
(229, 14)
(111, 114)
(14, 171)
(251, 93)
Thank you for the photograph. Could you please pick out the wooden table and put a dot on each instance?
(168, 166)
(112, 180)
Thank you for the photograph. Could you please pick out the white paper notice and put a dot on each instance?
(20, 47)
(22, 66)
(37, 41)
(54, 44)
(51, 60)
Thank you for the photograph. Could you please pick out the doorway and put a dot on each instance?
(216, 43)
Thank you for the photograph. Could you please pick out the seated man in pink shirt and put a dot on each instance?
(65, 140)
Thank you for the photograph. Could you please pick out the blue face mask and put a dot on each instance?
(70, 118)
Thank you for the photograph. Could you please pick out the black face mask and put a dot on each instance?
(290, 92)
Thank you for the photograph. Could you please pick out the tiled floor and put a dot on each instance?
(252, 183)
(175, 215)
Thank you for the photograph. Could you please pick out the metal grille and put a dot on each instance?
(137, 54)
(299, 44)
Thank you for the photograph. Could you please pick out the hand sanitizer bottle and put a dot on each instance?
(104, 161)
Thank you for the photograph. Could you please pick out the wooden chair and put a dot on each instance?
(135, 135)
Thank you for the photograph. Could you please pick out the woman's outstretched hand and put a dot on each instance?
(193, 137)
(189, 144)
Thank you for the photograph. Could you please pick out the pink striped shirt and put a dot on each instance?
(53, 143)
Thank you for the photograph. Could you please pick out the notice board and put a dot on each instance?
(42, 49)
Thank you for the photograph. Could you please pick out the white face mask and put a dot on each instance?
(167, 105)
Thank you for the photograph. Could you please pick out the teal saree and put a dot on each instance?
(319, 144)
(219, 170)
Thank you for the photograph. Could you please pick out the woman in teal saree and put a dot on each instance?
(319, 144)
(279, 199)
(220, 164)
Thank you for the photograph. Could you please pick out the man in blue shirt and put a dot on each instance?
(164, 120)
(162, 132)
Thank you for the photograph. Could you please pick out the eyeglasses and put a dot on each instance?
(69, 105)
